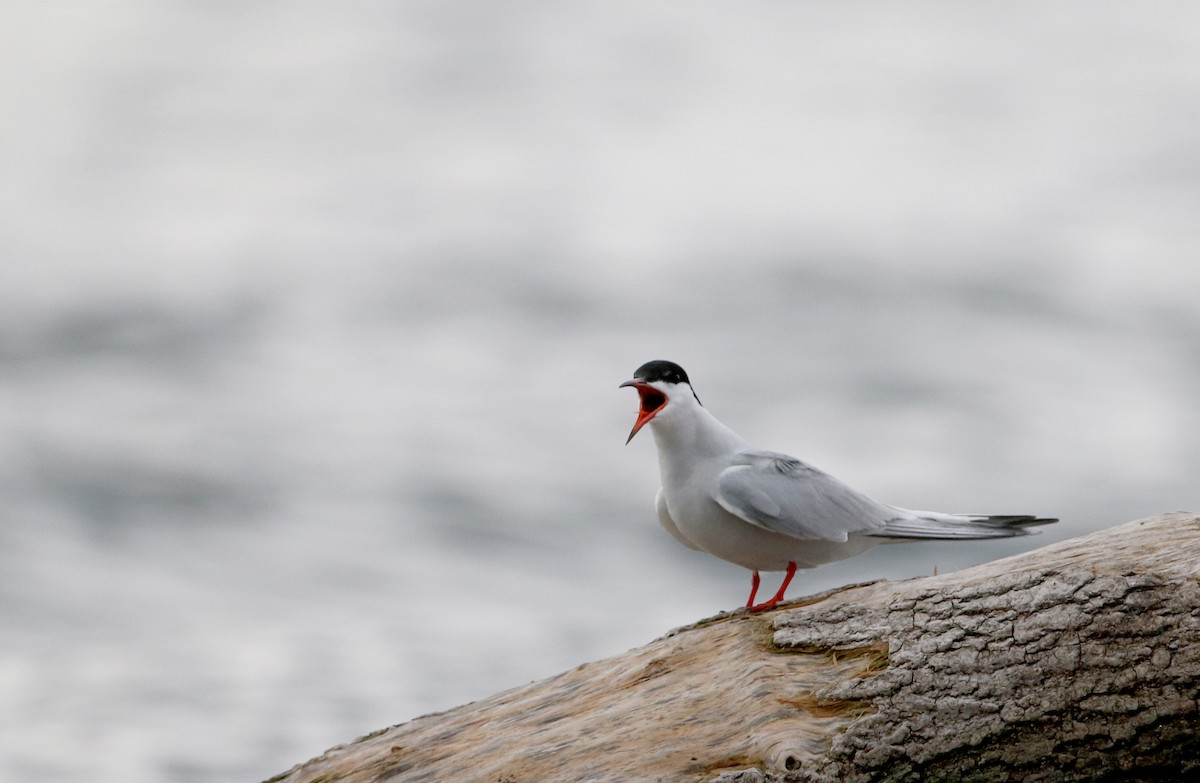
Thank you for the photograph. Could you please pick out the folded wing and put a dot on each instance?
(784, 495)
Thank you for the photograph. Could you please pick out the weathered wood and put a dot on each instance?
(1078, 661)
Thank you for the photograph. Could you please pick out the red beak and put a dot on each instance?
(652, 401)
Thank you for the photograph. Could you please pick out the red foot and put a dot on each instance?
(754, 580)
(787, 580)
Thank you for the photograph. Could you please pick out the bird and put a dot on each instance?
(765, 510)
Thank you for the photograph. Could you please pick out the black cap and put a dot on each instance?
(661, 370)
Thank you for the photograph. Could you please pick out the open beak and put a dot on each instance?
(652, 401)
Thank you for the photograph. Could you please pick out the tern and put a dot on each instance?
(768, 511)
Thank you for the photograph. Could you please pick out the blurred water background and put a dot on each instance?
(312, 318)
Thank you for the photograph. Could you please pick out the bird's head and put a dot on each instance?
(662, 388)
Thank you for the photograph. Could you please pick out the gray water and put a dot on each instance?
(312, 318)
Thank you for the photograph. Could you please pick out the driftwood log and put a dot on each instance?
(1077, 661)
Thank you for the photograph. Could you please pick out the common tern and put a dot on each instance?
(768, 511)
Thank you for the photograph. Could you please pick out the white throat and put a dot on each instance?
(688, 436)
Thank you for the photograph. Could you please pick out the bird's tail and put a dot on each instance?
(933, 524)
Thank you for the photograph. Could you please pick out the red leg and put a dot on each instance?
(787, 580)
(754, 580)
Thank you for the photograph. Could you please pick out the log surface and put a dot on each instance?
(1077, 661)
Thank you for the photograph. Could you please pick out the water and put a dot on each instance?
(312, 319)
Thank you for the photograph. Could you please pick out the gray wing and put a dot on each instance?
(784, 495)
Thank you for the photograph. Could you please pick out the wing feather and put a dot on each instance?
(781, 494)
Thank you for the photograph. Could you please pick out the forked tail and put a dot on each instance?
(932, 524)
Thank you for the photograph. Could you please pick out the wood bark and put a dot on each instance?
(1078, 661)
